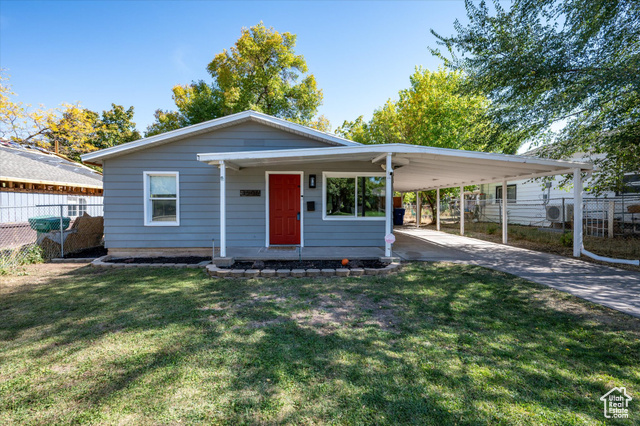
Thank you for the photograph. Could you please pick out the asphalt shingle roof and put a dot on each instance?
(19, 163)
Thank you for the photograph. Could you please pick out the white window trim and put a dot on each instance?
(326, 175)
(266, 205)
(147, 199)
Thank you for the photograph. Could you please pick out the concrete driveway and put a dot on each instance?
(612, 287)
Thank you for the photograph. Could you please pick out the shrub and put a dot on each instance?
(567, 239)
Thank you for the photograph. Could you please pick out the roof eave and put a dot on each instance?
(393, 149)
(211, 125)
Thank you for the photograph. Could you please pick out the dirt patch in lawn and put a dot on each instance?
(306, 264)
(325, 314)
(338, 310)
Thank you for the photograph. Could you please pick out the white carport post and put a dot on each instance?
(418, 209)
(438, 209)
(577, 212)
(462, 210)
(505, 238)
(223, 209)
(389, 204)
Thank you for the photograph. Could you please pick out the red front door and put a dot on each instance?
(284, 209)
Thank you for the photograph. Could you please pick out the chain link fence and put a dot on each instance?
(611, 226)
(34, 233)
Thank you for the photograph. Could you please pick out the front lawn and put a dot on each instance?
(437, 344)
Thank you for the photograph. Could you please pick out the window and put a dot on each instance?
(354, 196)
(161, 207)
(511, 193)
(76, 206)
(631, 184)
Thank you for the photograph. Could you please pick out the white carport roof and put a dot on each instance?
(415, 167)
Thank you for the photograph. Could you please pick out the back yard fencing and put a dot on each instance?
(611, 226)
(32, 233)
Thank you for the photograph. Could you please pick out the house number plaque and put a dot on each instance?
(250, 192)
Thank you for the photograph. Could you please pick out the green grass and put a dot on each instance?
(436, 344)
(532, 238)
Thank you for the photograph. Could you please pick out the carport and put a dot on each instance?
(410, 168)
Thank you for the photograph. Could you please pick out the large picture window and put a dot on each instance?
(353, 196)
(162, 207)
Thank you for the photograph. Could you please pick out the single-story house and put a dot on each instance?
(37, 182)
(544, 204)
(250, 180)
(31, 176)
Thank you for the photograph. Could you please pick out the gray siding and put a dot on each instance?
(199, 194)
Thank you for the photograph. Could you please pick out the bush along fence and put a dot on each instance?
(35, 233)
(611, 226)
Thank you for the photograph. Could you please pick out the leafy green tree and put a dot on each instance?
(261, 72)
(116, 126)
(433, 112)
(165, 121)
(571, 63)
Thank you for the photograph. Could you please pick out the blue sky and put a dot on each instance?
(133, 52)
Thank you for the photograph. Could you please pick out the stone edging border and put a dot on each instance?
(214, 271)
(101, 263)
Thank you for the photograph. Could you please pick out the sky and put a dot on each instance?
(133, 52)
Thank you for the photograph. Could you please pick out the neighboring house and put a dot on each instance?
(35, 182)
(32, 176)
(537, 203)
(250, 180)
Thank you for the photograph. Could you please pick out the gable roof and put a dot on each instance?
(218, 123)
(24, 164)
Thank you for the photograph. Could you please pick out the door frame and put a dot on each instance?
(266, 179)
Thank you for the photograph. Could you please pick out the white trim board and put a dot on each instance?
(266, 203)
(207, 126)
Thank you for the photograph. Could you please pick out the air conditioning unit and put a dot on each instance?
(554, 213)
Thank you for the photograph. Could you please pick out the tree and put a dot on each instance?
(321, 123)
(565, 62)
(432, 112)
(260, 72)
(117, 127)
(196, 102)
(70, 130)
(19, 122)
(74, 132)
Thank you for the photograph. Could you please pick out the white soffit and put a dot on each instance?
(415, 167)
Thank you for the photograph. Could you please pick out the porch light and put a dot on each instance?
(312, 181)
